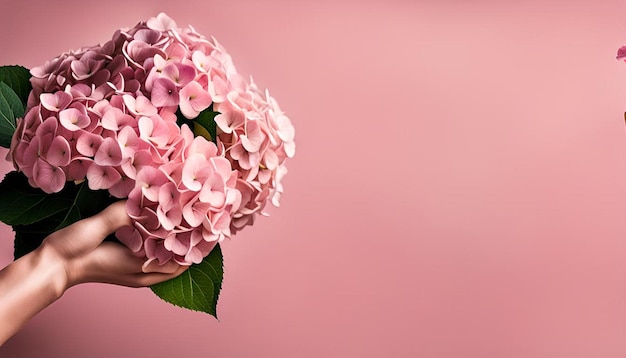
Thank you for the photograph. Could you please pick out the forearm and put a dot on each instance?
(27, 286)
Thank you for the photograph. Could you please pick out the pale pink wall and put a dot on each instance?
(459, 188)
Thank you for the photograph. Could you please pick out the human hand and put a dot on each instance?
(73, 255)
(87, 258)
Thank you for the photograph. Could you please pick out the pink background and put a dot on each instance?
(459, 188)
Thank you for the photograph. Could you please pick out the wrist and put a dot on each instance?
(53, 268)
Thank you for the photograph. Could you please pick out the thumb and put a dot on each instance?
(114, 217)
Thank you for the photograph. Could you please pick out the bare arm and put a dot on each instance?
(73, 255)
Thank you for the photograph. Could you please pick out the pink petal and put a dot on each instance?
(109, 153)
(161, 22)
(156, 250)
(73, 119)
(195, 211)
(177, 244)
(60, 153)
(55, 102)
(254, 137)
(130, 237)
(193, 100)
(621, 53)
(102, 177)
(150, 179)
(88, 143)
(139, 106)
(50, 179)
(164, 93)
(77, 170)
(122, 188)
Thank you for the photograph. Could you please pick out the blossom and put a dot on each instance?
(108, 114)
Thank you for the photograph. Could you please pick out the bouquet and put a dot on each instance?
(160, 117)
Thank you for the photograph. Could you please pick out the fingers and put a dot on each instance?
(144, 279)
(153, 266)
(150, 279)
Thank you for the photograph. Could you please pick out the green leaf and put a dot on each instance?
(35, 214)
(11, 108)
(18, 79)
(198, 288)
(22, 204)
(205, 125)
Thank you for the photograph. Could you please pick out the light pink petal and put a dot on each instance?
(191, 172)
(286, 132)
(254, 137)
(195, 212)
(213, 191)
(88, 143)
(114, 119)
(177, 244)
(193, 100)
(48, 126)
(55, 102)
(139, 106)
(150, 179)
(161, 22)
(109, 153)
(170, 218)
(270, 159)
(73, 119)
(169, 196)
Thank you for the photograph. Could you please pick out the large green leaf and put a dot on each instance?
(11, 108)
(18, 79)
(22, 204)
(35, 214)
(198, 288)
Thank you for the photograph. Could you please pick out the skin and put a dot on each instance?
(68, 257)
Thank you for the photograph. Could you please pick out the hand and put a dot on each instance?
(73, 255)
(88, 259)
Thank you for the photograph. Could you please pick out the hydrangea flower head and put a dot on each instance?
(110, 114)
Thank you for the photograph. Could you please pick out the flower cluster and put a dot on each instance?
(112, 115)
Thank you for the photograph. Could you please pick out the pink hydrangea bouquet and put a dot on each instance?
(160, 117)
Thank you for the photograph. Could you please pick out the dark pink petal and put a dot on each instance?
(102, 177)
(130, 237)
(60, 153)
(621, 53)
(122, 188)
(77, 170)
(50, 179)
(164, 93)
